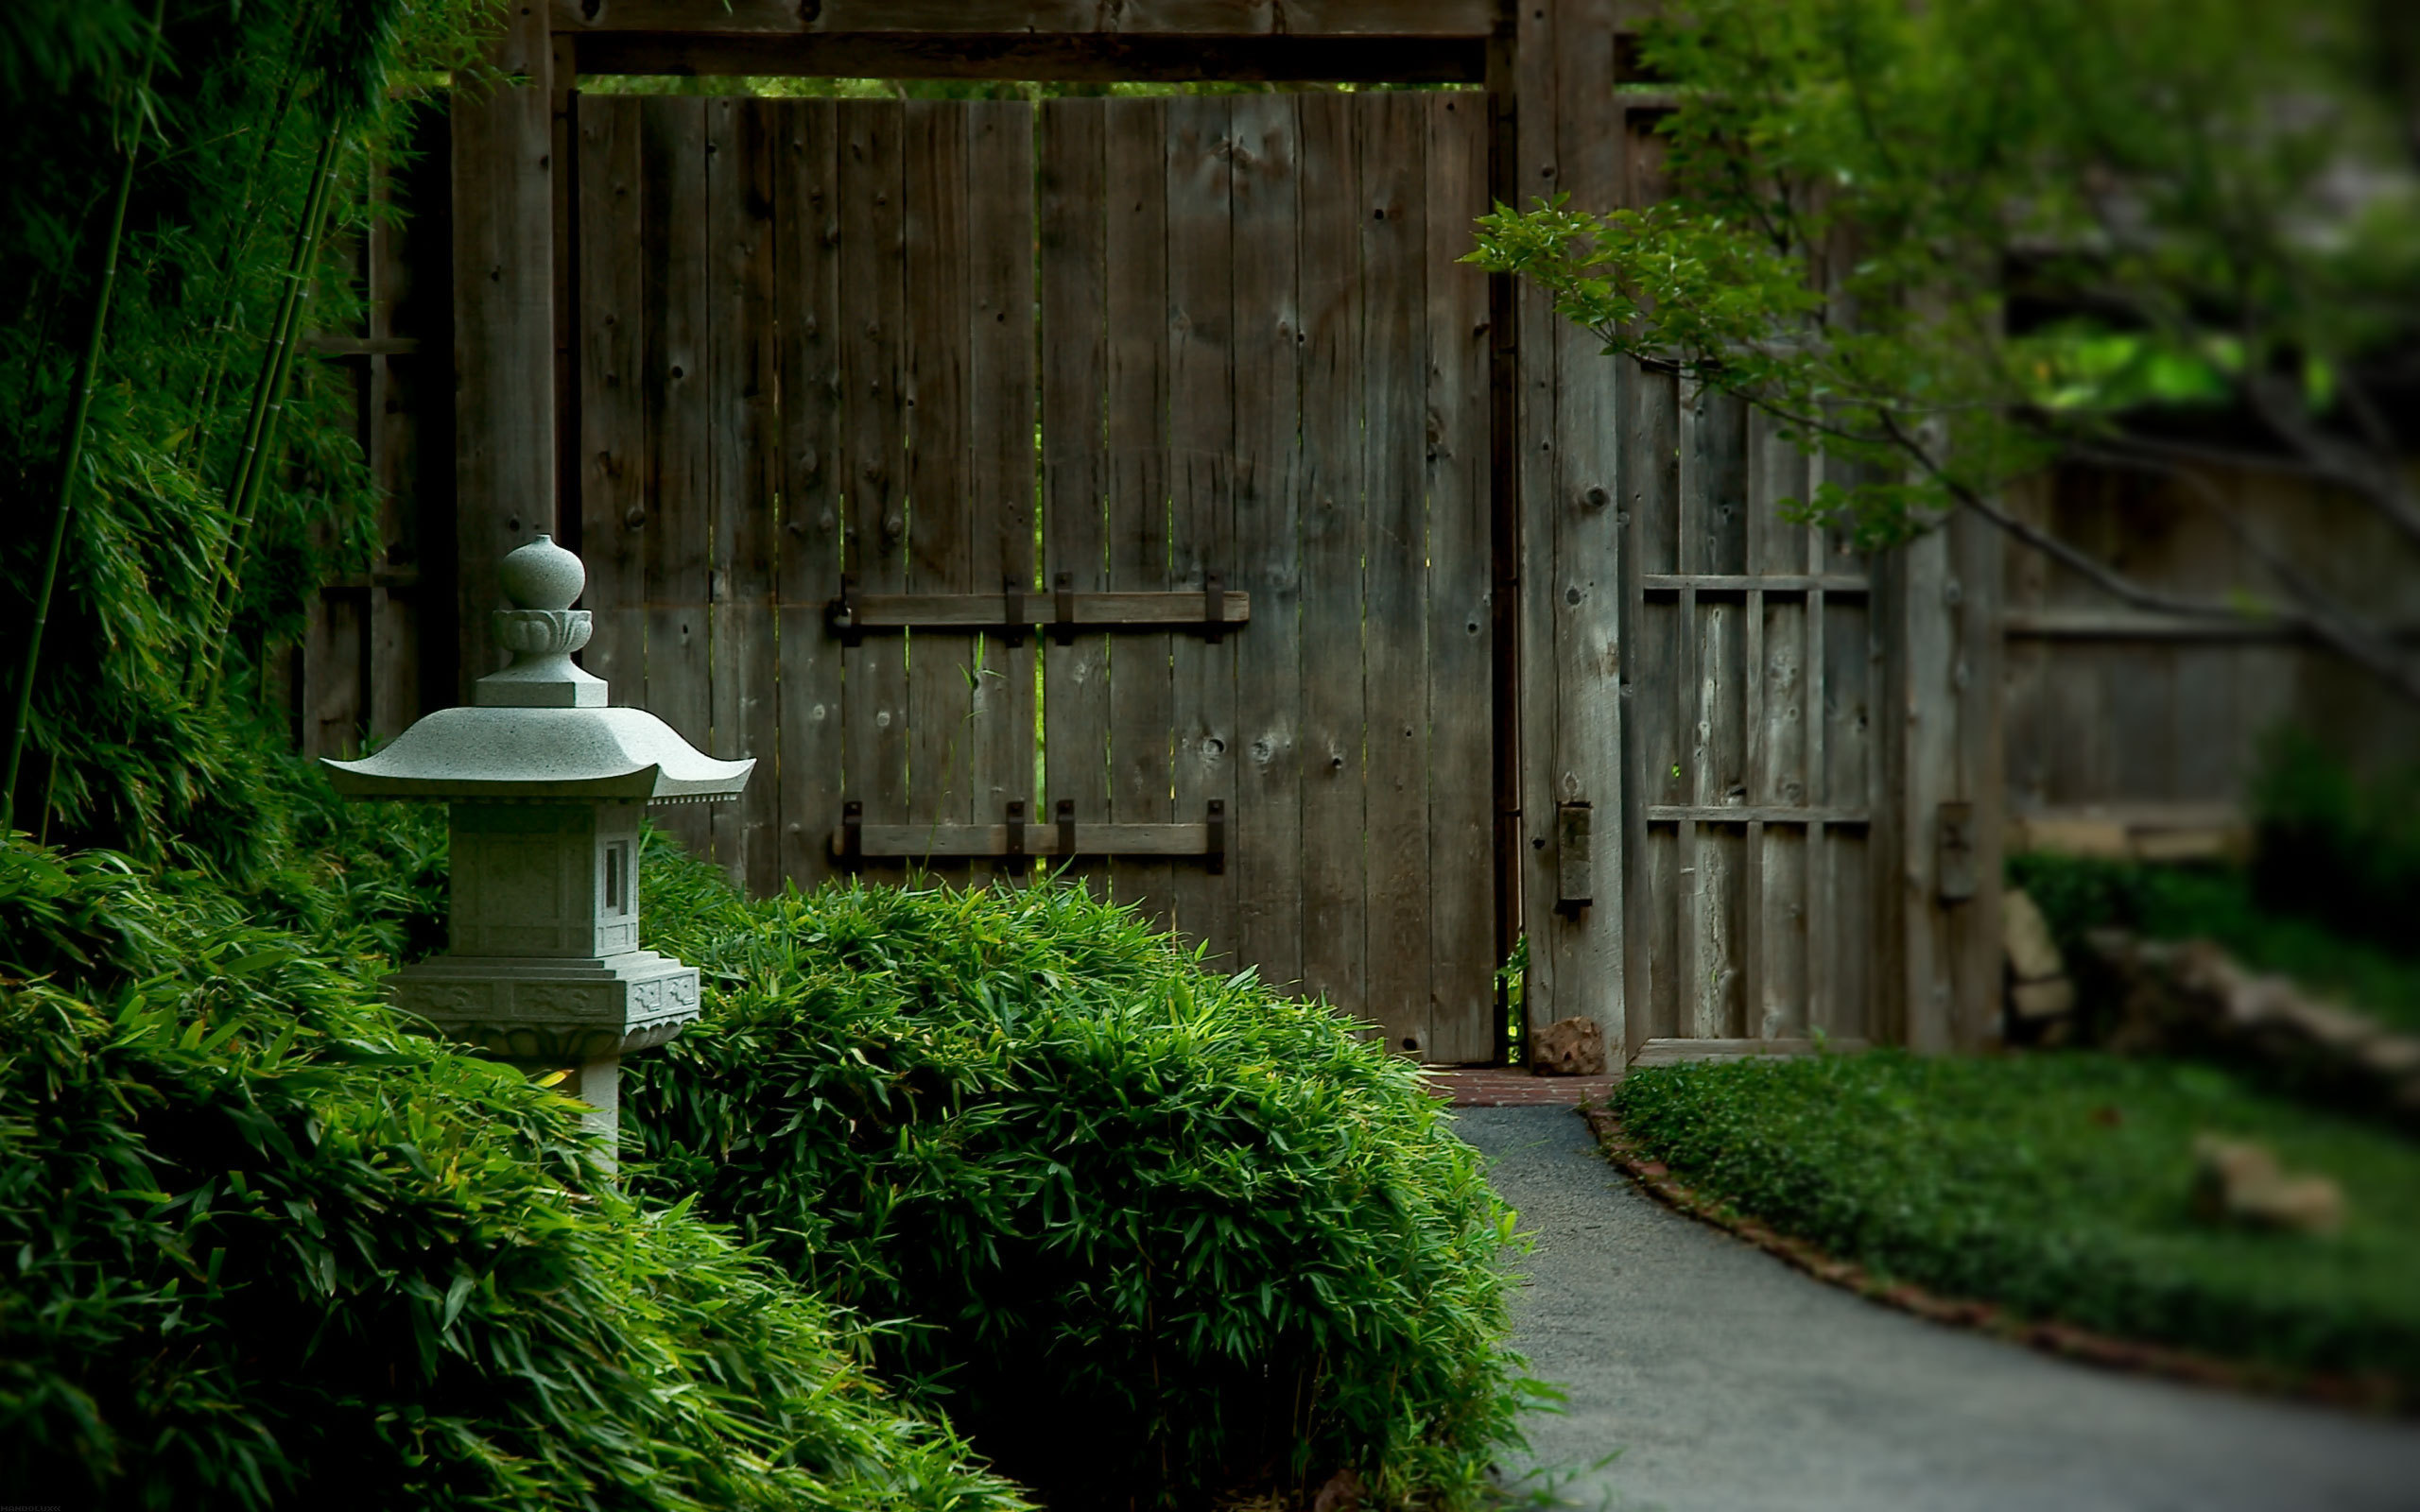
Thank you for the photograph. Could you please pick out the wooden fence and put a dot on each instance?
(1145, 481)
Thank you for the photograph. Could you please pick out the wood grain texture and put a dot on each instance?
(1000, 437)
(1071, 226)
(1311, 17)
(806, 198)
(1536, 170)
(613, 412)
(1142, 698)
(1268, 864)
(743, 460)
(504, 347)
(1460, 651)
(1334, 940)
(1200, 326)
(872, 220)
(941, 667)
(677, 549)
(1396, 715)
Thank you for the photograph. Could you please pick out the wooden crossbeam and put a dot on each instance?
(1743, 583)
(1091, 611)
(1750, 813)
(1062, 57)
(1202, 18)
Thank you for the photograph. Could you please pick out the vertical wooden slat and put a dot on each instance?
(1660, 726)
(744, 463)
(872, 222)
(1461, 649)
(389, 443)
(1075, 378)
(1536, 171)
(1200, 485)
(1394, 347)
(1267, 820)
(806, 240)
(1142, 704)
(504, 349)
(1823, 993)
(680, 518)
(1333, 936)
(612, 411)
(939, 665)
(1000, 300)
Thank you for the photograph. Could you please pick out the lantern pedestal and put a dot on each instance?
(546, 785)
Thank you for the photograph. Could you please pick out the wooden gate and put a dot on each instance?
(1175, 556)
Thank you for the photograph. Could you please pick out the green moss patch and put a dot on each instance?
(2059, 1187)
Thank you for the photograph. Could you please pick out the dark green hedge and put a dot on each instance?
(1161, 1235)
(2059, 1185)
(264, 1250)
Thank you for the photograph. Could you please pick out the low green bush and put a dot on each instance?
(2058, 1184)
(1163, 1236)
(265, 1250)
(2171, 901)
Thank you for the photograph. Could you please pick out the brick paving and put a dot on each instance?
(1513, 1087)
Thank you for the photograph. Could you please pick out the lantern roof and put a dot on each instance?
(540, 728)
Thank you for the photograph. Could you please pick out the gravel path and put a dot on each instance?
(1732, 1382)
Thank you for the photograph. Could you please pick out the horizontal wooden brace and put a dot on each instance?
(1079, 58)
(1215, 18)
(1680, 1052)
(1742, 582)
(990, 611)
(387, 578)
(1746, 813)
(325, 345)
(918, 840)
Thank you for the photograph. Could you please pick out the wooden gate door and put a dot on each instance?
(1162, 555)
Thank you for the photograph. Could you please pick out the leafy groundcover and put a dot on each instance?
(259, 1247)
(2058, 1185)
(1156, 1235)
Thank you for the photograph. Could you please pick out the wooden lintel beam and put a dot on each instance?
(911, 841)
(975, 611)
(1061, 57)
(1210, 18)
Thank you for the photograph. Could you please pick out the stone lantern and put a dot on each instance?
(544, 785)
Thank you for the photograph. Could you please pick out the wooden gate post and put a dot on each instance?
(504, 351)
(1940, 819)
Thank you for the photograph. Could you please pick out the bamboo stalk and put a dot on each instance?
(80, 409)
(269, 397)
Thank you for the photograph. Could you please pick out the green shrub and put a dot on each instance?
(265, 1250)
(2077, 894)
(2338, 851)
(1163, 1235)
(2059, 1185)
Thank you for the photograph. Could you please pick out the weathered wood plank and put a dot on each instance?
(872, 223)
(1687, 1052)
(1394, 352)
(1071, 225)
(1142, 700)
(391, 445)
(999, 226)
(613, 409)
(1267, 459)
(931, 842)
(1333, 938)
(934, 395)
(1300, 18)
(1460, 645)
(1098, 58)
(1152, 612)
(806, 200)
(745, 471)
(678, 544)
(1536, 167)
(504, 347)
(1202, 483)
